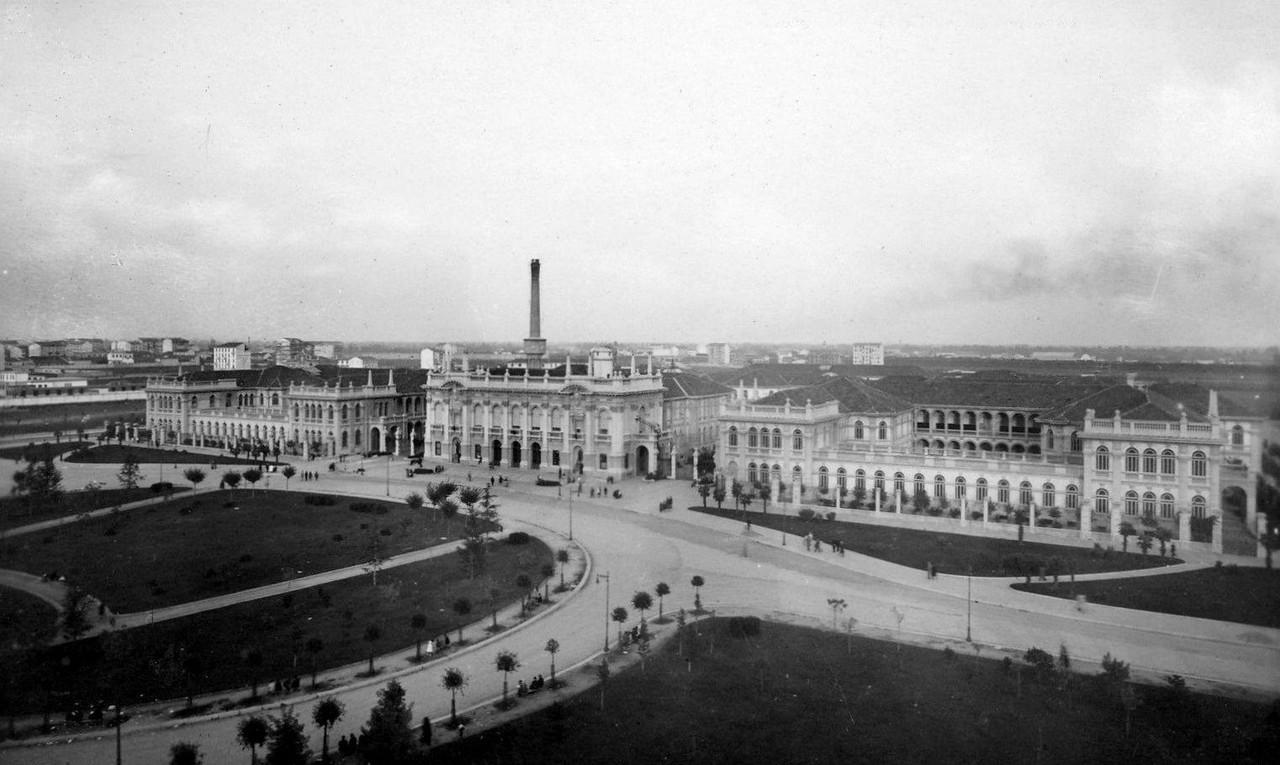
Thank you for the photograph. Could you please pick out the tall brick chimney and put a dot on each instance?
(535, 347)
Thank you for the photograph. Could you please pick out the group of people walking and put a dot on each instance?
(815, 545)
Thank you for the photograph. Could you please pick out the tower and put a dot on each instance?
(535, 347)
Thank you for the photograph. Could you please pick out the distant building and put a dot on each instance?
(121, 345)
(428, 358)
(119, 357)
(292, 352)
(867, 353)
(325, 350)
(175, 345)
(1053, 356)
(231, 356)
(355, 362)
(719, 354)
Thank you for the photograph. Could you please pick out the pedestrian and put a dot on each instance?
(928, 570)
(462, 729)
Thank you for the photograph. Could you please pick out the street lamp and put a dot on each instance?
(571, 524)
(605, 577)
(388, 475)
(968, 625)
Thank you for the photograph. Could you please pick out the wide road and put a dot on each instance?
(639, 547)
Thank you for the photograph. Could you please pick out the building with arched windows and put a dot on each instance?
(1071, 455)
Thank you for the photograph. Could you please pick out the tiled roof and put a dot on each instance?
(689, 385)
(852, 395)
(1196, 398)
(989, 391)
(1132, 403)
(797, 375)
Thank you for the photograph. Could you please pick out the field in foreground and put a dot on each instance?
(950, 553)
(1226, 593)
(796, 695)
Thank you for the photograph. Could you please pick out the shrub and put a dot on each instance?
(337, 537)
(319, 500)
(954, 512)
(542, 481)
(744, 626)
(161, 487)
(246, 558)
(976, 515)
(806, 514)
(831, 516)
(518, 538)
(1114, 670)
(948, 654)
(1040, 660)
(385, 532)
(370, 508)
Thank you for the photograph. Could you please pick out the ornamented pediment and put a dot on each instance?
(452, 385)
(575, 390)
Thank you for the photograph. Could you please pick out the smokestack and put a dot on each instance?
(535, 310)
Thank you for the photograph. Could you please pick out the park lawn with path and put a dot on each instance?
(39, 451)
(25, 619)
(113, 454)
(150, 663)
(20, 511)
(221, 541)
(949, 553)
(800, 695)
(46, 418)
(1226, 593)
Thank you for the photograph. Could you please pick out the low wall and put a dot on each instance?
(91, 396)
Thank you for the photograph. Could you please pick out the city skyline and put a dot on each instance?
(1009, 173)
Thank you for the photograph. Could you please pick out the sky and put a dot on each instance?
(1083, 173)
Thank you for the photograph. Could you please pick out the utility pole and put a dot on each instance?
(968, 626)
(605, 577)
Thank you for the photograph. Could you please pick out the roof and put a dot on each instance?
(798, 375)
(852, 396)
(221, 345)
(1196, 398)
(1131, 403)
(989, 390)
(689, 385)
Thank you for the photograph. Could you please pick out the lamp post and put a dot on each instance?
(388, 475)
(968, 624)
(605, 577)
(571, 525)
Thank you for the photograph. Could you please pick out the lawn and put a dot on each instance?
(47, 418)
(147, 663)
(24, 619)
(39, 451)
(951, 553)
(1227, 593)
(224, 541)
(19, 511)
(796, 695)
(113, 454)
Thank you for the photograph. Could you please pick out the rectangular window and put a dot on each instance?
(604, 462)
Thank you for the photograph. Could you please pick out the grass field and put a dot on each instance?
(20, 511)
(113, 454)
(152, 662)
(1229, 593)
(949, 553)
(40, 451)
(795, 695)
(225, 541)
(24, 619)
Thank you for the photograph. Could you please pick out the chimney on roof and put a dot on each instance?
(535, 347)
(1213, 403)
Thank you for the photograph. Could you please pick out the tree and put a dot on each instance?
(461, 607)
(44, 483)
(288, 473)
(553, 647)
(185, 753)
(706, 462)
(697, 583)
(506, 663)
(1164, 536)
(837, 605)
(524, 583)
(195, 476)
(642, 601)
(547, 571)
(481, 521)
(74, 620)
(253, 660)
(704, 491)
(661, 590)
(314, 646)
(253, 475)
(735, 489)
(287, 744)
(130, 474)
(1145, 542)
(252, 733)
(718, 496)
(231, 478)
(1126, 530)
(453, 681)
(562, 557)
(745, 500)
(325, 714)
(620, 616)
(372, 634)
(419, 623)
(415, 501)
(920, 500)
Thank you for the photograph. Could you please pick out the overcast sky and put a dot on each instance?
(1069, 172)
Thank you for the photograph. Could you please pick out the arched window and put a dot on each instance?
(899, 483)
(882, 431)
(1237, 436)
(1101, 502)
(777, 438)
(1024, 493)
(344, 439)
(1103, 459)
(213, 402)
(939, 487)
(1199, 465)
(296, 411)
(1131, 503)
(860, 480)
(960, 488)
(1166, 505)
(357, 411)
(1131, 460)
(753, 438)
(1073, 497)
(1197, 506)
(275, 399)
(1076, 444)
(981, 492)
(733, 435)
(1149, 461)
(797, 440)
(1148, 505)
(344, 415)
(919, 484)
(1049, 437)
(822, 478)
(1168, 462)
(879, 485)
(1048, 497)
(857, 430)
(1002, 491)
(357, 437)
(751, 472)
(797, 476)
(842, 480)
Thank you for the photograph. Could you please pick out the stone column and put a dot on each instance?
(1115, 524)
(986, 512)
(774, 489)
(795, 493)
(897, 502)
(1184, 526)
(1217, 532)
(1262, 532)
(877, 492)
(1031, 518)
(964, 512)
(1085, 518)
